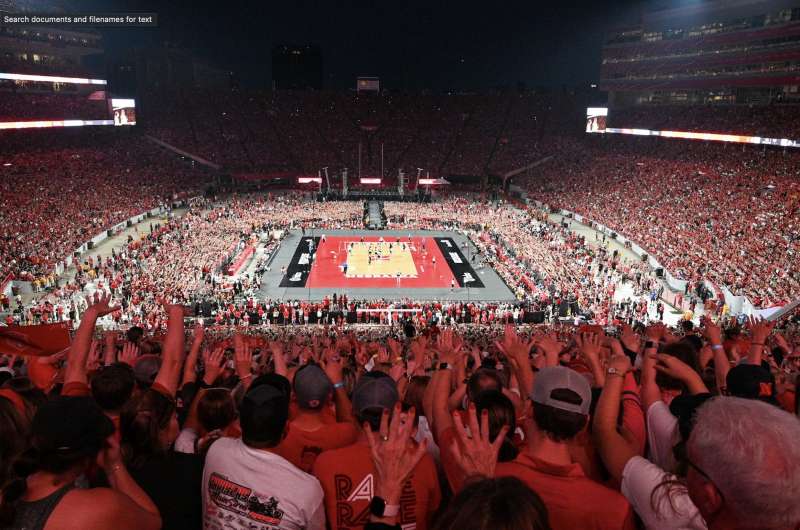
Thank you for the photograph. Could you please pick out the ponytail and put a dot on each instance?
(25, 465)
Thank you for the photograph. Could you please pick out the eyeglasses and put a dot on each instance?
(705, 476)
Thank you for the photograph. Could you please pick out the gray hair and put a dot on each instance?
(751, 450)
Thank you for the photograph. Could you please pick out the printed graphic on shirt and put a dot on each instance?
(308, 456)
(233, 497)
(352, 502)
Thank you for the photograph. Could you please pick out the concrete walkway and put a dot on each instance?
(595, 239)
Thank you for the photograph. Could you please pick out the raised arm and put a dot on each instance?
(333, 369)
(722, 365)
(441, 383)
(110, 348)
(677, 369)
(81, 344)
(243, 355)
(517, 351)
(279, 358)
(759, 331)
(651, 393)
(172, 362)
(589, 348)
(189, 368)
(125, 505)
(614, 449)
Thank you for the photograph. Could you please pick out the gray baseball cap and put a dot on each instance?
(311, 387)
(374, 391)
(145, 369)
(560, 377)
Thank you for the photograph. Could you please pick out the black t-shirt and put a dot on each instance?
(173, 483)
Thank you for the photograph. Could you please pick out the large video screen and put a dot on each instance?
(596, 119)
(124, 111)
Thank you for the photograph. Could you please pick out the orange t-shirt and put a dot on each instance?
(572, 499)
(347, 478)
(302, 448)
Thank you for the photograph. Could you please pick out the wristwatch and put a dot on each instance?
(650, 344)
(379, 508)
(613, 371)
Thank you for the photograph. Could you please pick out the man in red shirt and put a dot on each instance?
(348, 475)
(313, 429)
(561, 400)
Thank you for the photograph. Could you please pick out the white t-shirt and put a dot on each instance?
(185, 441)
(251, 489)
(662, 435)
(674, 510)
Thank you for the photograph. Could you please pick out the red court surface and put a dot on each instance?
(327, 272)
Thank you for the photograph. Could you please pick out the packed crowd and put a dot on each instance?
(54, 199)
(184, 258)
(704, 211)
(772, 121)
(302, 132)
(540, 261)
(51, 106)
(438, 427)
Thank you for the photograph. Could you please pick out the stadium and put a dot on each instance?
(349, 276)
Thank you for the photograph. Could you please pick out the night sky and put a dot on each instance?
(410, 45)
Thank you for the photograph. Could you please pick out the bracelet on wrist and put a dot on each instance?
(338, 385)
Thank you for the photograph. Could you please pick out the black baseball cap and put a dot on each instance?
(263, 414)
(751, 381)
(70, 425)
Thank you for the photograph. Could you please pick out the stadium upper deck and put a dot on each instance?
(729, 52)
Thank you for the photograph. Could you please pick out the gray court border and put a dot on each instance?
(495, 289)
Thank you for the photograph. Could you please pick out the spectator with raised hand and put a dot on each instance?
(213, 361)
(190, 366)
(111, 387)
(561, 400)
(129, 353)
(437, 412)
(243, 360)
(589, 348)
(279, 358)
(517, 351)
(713, 334)
(651, 490)
(313, 427)
(76, 382)
(149, 427)
(375, 400)
(395, 457)
(475, 452)
(278, 492)
(211, 416)
(486, 502)
(760, 330)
